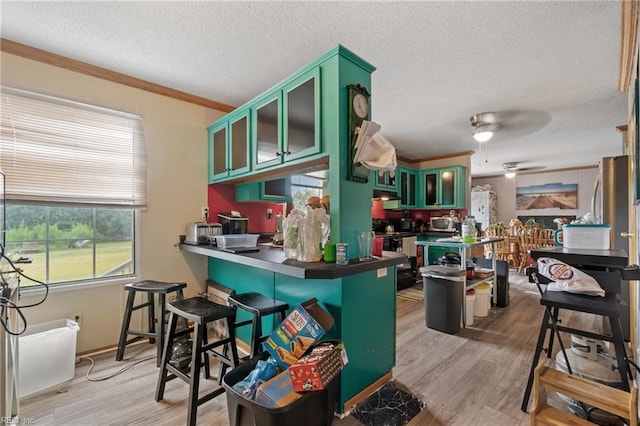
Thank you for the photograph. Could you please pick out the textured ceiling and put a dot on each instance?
(551, 68)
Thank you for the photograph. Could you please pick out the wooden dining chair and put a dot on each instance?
(531, 237)
(504, 248)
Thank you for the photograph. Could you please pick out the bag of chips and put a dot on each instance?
(567, 278)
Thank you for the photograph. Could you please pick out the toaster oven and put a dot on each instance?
(443, 223)
(200, 233)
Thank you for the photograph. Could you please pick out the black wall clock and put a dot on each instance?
(357, 111)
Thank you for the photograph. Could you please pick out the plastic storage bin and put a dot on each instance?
(469, 303)
(443, 297)
(584, 236)
(237, 240)
(47, 355)
(483, 300)
(314, 408)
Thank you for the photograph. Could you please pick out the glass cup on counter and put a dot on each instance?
(364, 244)
(378, 244)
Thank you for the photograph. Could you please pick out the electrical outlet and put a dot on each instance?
(205, 212)
(77, 317)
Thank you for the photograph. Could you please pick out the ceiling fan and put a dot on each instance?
(511, 169)
(512, 123)
(484, 124)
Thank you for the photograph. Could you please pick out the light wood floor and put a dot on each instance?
(476, 377)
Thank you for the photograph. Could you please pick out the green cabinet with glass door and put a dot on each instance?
(442, 188)
(229, 147)
(287, 124)
(386, 180)
(407, 186)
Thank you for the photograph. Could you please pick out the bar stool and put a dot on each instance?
(258, 306)
(162, 289)
(606, 307)
(200, 312)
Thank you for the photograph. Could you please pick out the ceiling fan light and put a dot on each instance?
(483, 133)
(510, 175)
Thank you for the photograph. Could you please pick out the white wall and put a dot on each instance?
(176, 138)
(506, 192)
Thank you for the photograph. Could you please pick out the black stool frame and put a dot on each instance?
(155, 318)
(200, 311)
(603, 306)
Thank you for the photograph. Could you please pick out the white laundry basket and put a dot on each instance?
(47, 355)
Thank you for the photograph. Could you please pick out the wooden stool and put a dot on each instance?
(258, 306)
(200, 312)
(155, 332)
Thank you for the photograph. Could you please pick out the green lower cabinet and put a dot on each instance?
(242, 279)
(363, 307)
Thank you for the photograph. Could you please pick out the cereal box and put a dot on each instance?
(315, 370)
(305, 325)
(276, 392)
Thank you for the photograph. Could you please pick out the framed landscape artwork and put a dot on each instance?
(547, 196)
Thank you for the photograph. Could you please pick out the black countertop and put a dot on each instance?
(273, 259)
(608, 258)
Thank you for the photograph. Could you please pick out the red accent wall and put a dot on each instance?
(222, 198)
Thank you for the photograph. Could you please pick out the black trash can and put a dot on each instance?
(315, 408)
(502, 279)
(443, 297)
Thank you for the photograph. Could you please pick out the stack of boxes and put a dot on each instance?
(288, 343)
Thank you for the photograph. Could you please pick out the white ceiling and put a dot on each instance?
(552, 66)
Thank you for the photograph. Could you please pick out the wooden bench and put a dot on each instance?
(612, 400)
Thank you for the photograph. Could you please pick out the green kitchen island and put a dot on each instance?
(361, 297)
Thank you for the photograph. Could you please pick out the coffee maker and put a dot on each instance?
(233, 223)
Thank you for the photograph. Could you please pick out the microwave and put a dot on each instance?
(444, 223)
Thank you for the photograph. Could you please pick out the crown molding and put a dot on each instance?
(59, 61)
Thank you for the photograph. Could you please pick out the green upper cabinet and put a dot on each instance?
(287, 122)
(407, 186)
(385, 181)
(229, 147)
(274, 190)
(442, 188)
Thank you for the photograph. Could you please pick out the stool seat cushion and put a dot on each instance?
(155, 286)
(257, 303)
(201, 310)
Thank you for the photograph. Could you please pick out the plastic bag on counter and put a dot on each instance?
(264, 371)
(291, 233)
(314, 231)
(567, 278)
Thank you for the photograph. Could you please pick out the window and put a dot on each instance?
(303, 187)
(75, 179)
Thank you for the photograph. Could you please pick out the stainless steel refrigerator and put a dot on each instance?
(610, 204)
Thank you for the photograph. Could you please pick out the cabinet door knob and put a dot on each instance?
(278, 153)
(288, 153)
(627, 234)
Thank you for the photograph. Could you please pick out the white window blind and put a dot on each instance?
(58, 151)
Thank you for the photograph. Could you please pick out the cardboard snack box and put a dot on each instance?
(304, 326)
(276, 392)
(314, 371)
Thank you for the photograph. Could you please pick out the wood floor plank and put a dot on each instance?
(475, 377)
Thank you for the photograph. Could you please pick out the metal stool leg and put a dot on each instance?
(166, 355)
(536, 358)
(621, 354)
(194, 384)
(160, 331)
(125, 326)
(151, 316)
